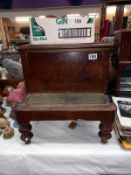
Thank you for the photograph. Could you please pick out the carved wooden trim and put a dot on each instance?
(26, 134)
(105, 131)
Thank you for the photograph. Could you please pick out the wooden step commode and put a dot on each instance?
(65, 82)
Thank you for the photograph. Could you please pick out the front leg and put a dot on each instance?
(105, 131)
(25, 130)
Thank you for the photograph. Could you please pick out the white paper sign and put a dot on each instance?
(61, 30)
(92, 56)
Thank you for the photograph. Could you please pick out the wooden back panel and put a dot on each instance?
(65, 68)
(123, 43)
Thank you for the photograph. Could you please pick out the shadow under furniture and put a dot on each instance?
(65, 82)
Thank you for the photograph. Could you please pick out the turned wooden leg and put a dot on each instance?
(72, 125)
(25, 130)
(105, 131)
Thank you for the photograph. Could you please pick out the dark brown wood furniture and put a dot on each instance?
(118, 18)
(65, 82)
(123, 48)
